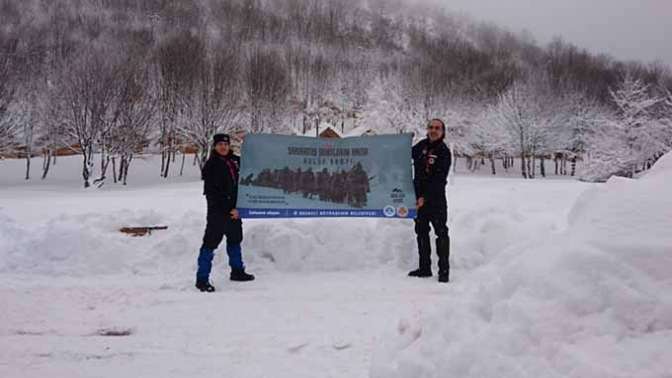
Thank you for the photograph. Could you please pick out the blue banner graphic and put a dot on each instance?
(301, 177)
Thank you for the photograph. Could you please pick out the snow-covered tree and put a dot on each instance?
(488, 138)
(526, 112)
(642, 133)
(607, 154)
(667, 119)
(628, 140)
(387, 111)
(578, 119)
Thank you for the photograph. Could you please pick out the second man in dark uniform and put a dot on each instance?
(431, 163)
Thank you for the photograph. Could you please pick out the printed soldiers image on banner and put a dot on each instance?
(346, 187)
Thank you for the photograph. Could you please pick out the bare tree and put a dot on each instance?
(176, 78)
(136, 106)
(88, 91)
(9, 125)
(267, 86)
(215, 103)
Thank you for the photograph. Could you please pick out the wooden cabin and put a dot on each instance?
(330, 133)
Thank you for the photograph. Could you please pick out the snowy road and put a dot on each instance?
(327, 290)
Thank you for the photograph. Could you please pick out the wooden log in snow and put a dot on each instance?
(141, 231)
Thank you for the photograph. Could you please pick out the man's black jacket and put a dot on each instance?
(431, 163)
(220, 181)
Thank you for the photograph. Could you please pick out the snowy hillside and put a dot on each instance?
(592, 301)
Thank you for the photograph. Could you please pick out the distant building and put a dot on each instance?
(330, 133)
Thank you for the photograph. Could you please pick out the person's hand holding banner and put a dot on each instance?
(420, 203)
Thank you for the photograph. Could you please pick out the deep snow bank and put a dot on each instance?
(57, 228)
(593, 301)
(89, 244)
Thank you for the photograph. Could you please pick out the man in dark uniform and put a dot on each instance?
(220, 187)
(431, 163)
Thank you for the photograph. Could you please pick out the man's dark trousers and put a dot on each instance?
(437, 216)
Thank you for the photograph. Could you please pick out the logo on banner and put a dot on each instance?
(402, 212)
(389, 211)
(397, 195)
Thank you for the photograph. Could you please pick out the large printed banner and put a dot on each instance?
(287, 176)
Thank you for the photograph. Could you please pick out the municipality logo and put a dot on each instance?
(389, 211)
(397, 196)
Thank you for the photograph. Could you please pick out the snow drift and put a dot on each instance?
(592, 301)
(59, 229)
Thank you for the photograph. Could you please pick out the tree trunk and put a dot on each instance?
(542, 166)
(182, 166)
(492, 164)
(114, 169)
(126, 165)
(163, 161)
(86, 164)
(573, 166)
(28, 153)
(530, 175)
(46, 164)
(167, 167)
(104, 163)
(522, 165)
(534, 165)
(122, 163)
(555, 160)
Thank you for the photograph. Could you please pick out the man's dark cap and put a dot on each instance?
(221, 138)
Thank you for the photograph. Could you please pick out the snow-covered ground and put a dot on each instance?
(534, 291)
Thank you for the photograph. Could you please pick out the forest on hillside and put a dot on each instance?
(109, 79)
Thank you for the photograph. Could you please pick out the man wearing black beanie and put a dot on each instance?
(220, 187)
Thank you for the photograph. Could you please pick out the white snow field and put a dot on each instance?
(594, 300)
(550, 278)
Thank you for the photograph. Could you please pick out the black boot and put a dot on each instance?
(443, 250)
(205, 286)
(424, 252)
(240, 275)
(420, 273)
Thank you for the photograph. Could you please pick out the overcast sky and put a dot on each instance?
(626, 29)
